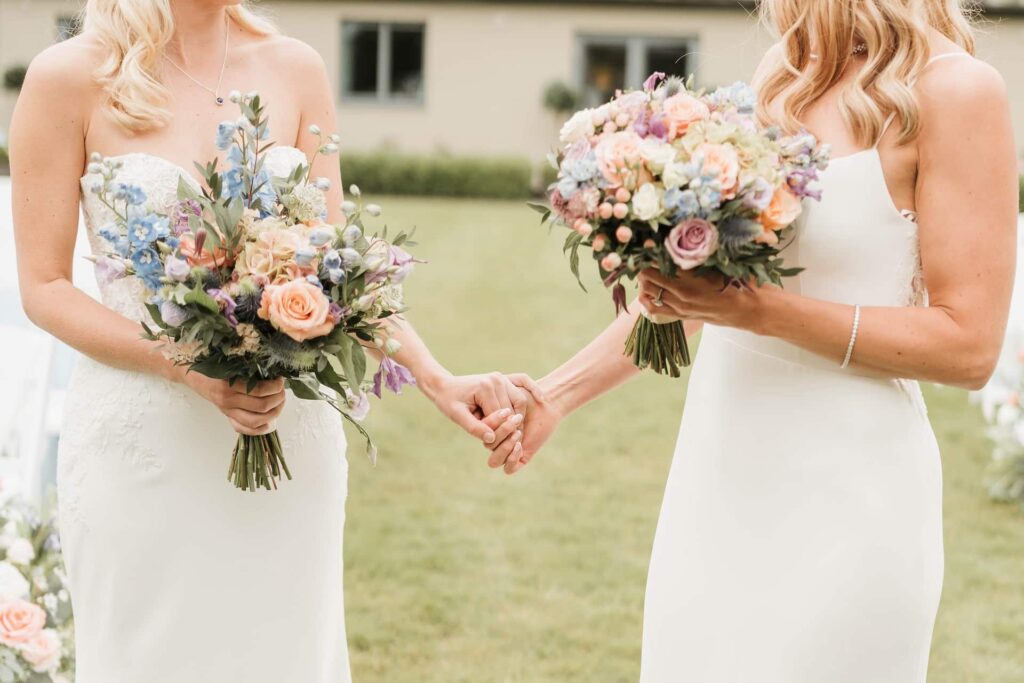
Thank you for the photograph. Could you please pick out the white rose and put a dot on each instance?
(675, 174)
(657, 154)
(577, 128)
(21, 552)
(12, 584)
(647, 202)
(391, 297)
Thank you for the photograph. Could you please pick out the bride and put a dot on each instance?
(175, 575)
(800, 537)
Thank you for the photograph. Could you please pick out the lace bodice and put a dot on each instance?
(158, 177)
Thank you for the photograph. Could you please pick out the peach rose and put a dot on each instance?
(43, 651)
(20, 622)
(271, 257)
(722, 162)
(782, 210)
(298, 308)
(680, 110)
(618, 157)
(206, 259)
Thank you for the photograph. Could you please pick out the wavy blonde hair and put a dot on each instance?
(817, 42)
(135, 34)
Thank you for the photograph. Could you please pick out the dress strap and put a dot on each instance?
(892, 117)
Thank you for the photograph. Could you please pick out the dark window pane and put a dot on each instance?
(363, 40)
(604, 72)
(407, 60)
(672, 60)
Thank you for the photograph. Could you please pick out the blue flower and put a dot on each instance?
(148, 267)
(314, 280)
(304, 257)
(109, 232)
(582, 170)
(683, 203)
(321, 236)
(133, 194)
(739, 95)
(146, 229)
(226, 133)
(567, 187)
(122, 246)
(336, 275)
(332, 260)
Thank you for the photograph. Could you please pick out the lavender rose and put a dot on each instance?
(691, 243)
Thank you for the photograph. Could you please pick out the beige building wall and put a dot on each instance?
(486, 65)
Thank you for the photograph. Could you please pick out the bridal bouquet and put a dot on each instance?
(246, 282)
(36, 625)
(677, 179)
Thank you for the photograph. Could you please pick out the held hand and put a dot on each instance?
(518, 449)
(706, 298)
(249, 413)
(467, 399)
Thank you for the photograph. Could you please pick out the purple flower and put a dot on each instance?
(226, 303)
(177, 269)
(173, 314)
(799, 182)
(182, 211)
(358, 405)
(109, 269)
(759, 195)
(403, 261)
(392, 375)
(652, 81)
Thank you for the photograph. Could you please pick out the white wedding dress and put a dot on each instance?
(800, 537)
(175, 575)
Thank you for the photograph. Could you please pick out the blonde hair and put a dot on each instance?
(135, 34)
(896, 35)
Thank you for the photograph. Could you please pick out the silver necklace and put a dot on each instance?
(217, 98)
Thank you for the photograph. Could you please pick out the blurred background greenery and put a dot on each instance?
(456, 573)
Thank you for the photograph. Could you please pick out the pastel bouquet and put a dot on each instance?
(676, 179)
(245, 281)
(36, 624)
(1001, 404)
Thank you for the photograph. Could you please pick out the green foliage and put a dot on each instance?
(1020, 200)
(561, 99)
(5, 158)
(14, 76)
(439, 175)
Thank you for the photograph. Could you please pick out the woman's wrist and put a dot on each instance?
(561, 395)
(431, 379)
(765, 310)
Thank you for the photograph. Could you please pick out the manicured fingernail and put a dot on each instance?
(504, 412)
(516, 420)
(518, 449)
(517, 436)
(489, 437)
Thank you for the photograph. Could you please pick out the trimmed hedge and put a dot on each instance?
(439, 175)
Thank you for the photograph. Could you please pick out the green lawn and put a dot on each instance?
(456, 573)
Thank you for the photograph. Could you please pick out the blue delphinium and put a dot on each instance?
(148, 267)
(132, 194)
(226, 134)
(682, 204)
(235, 183)
(144, 229)
(739, 95)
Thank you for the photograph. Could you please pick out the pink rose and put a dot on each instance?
(20, 622)
(722, 162)
(691, 243)
(681, 110)
(298, 308)
(584, 203)
(271, 258)
(618, 157)
(43, 651)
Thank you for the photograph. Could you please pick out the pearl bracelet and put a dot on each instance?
(853, 338)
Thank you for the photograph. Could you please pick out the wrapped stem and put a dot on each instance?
(661, 347)
(257, 462)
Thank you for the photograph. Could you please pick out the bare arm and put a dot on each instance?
(967, 210)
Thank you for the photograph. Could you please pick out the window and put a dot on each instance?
(608, 64)
(382, 62)
(68, 26)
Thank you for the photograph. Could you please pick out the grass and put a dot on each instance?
(458, 574)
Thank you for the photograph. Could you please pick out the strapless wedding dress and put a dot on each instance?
(800, 537)
(175, 575)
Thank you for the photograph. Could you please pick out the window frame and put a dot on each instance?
(636, 54)
(383, 95)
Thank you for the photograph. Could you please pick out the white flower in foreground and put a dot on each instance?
(12, 584)
(579, 127)
(647, 202)
(21, 552)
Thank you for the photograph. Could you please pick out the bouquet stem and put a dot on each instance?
(661, 347)
(257, 462)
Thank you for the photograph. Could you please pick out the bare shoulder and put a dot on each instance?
(66, 67)
(961, 83)
(297, 55)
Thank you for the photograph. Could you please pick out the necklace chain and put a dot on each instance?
(217, 99)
